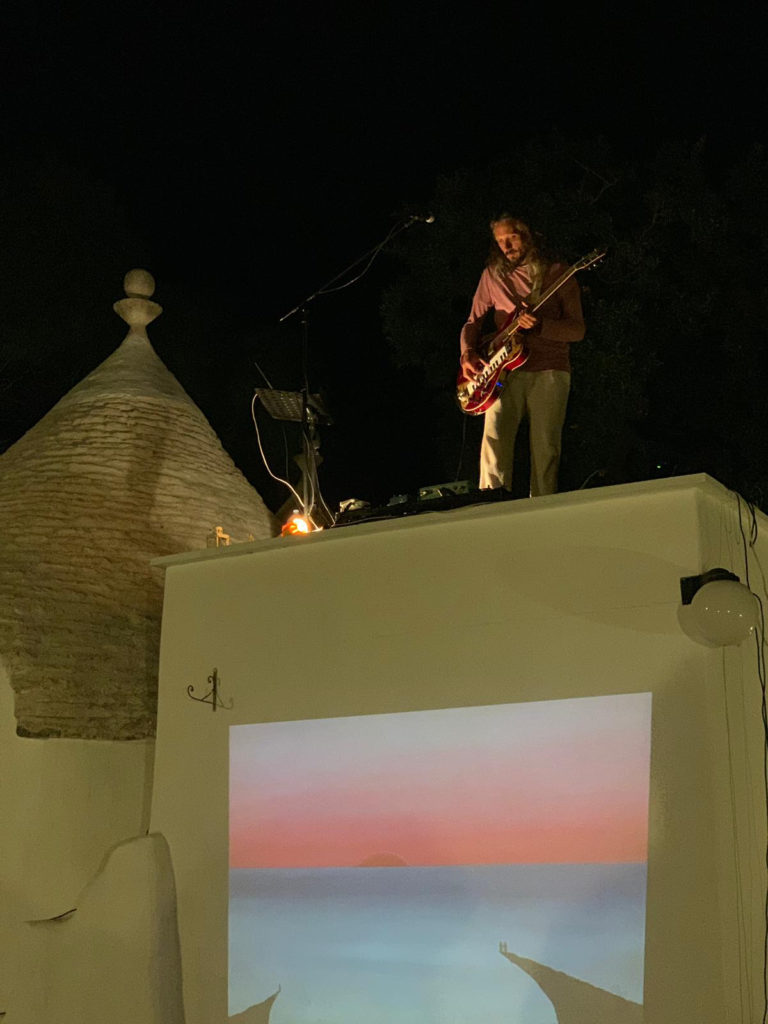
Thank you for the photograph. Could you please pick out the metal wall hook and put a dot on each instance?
(212, 697)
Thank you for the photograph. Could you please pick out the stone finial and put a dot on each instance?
(137, 309)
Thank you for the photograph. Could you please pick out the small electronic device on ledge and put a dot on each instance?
(434, 498)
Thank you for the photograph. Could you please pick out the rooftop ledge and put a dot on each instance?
(696, 482)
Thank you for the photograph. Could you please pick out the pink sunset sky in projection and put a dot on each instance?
(548, 782)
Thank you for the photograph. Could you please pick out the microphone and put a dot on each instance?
(424, 218)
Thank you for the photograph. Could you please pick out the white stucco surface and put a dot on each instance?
(116, 958)
(571, 595)
(124, 468)
(63, 805)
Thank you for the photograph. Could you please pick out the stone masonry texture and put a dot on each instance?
(123, 470)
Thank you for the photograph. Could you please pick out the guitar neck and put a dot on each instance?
(556, 286)
(544, 297)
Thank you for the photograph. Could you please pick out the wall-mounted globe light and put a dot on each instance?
(723, 610)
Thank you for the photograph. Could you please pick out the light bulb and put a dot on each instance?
(725, 612)
(297, 523)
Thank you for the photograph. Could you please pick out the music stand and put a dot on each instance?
(311, 406)
(309, 410)
(282, 405)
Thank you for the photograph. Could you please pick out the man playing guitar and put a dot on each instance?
(513, 278)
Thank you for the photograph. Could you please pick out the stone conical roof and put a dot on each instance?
(124, 469)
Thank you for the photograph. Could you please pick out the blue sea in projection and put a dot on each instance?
(421, 945)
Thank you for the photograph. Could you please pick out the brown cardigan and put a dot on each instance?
(561, 321)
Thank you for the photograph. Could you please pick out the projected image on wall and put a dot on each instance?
(474, 865)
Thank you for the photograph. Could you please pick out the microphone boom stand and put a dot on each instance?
(309, 459)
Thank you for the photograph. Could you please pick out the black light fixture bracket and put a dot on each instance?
(690, 585)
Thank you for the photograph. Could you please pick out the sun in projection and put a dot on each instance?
(383, 860)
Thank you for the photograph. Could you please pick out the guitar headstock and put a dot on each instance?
(591, 260)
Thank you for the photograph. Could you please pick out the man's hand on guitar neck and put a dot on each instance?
(526, 320)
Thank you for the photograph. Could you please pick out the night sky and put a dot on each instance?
(245, 153)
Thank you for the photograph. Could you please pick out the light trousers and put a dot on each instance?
(542, 396)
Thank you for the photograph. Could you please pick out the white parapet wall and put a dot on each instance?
(64, 804)
(573, 595)
(116, 956)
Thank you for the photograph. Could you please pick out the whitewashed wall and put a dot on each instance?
(63, 805)
(574, 594)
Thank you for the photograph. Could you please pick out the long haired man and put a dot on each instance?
(514, 277)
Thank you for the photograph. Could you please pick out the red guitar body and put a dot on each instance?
(503, 352)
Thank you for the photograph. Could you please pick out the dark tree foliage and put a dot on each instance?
(670, 377)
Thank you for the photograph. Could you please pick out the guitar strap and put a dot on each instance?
(537, 280)
(537, 275)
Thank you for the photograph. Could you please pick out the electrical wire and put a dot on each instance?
(333, 517)
(748, 543)
(266, 378)
(388, 237)
(283, 431)
(745, 987)
(315, 490)
(461, 448)
(274, 476)
(760, 643)
(316, 495)
(308, 476)
(310, 465)
(592, 475)
(328, 289)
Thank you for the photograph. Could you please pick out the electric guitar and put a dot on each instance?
(505, 351)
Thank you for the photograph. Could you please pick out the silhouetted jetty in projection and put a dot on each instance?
(575, 1001)
(257, 1014)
